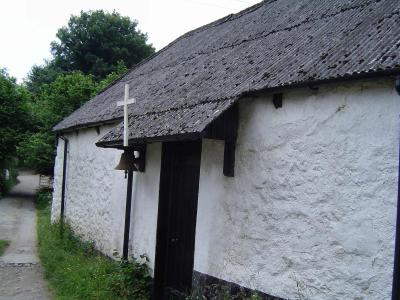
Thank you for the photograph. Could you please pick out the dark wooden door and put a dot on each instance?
(176, 226)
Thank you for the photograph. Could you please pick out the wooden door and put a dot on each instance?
(176, 226)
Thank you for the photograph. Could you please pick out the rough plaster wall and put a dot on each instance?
(145, 205)
(96, 194)
(313, 201)
(57, 185)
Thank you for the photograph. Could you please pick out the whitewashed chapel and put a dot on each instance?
(267, 154)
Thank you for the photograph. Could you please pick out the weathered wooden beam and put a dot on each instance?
(225, 128)
(277, 100)
(141, 160)
(229, 158)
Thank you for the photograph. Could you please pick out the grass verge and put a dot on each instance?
(3, 245)
(75, 270)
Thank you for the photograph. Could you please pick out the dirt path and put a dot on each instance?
(20, 272)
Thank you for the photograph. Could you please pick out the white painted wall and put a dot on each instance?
(145, 206)
(313, 201)
(96, 194)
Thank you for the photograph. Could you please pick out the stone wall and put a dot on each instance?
(310, 211)
(96, 194)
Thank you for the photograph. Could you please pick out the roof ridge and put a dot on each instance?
(225, 19)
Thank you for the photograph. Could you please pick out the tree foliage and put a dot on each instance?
(61, 97)
(110, 78)
(95, 41)
(93, 50)
(54, 101)
(14, 121)
(39, 75)
(37, 152)
(14, 116)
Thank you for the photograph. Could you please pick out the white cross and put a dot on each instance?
(125, 104)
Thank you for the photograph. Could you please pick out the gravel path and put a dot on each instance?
(21, 276)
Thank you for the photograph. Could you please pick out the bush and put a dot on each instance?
(220, 292)
(6, 185)
(37, 152)
(43, 200)
(131, 279)
(3, 245)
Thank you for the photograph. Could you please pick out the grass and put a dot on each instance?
(76, 270)
(3, 245)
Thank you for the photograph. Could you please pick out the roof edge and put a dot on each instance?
(311, 83)
(352, 77)
(87, 125)
(166, 138)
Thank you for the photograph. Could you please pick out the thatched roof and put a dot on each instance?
(272, 45)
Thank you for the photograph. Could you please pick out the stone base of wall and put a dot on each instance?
(211, 287)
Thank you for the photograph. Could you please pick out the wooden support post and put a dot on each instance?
(141, 161)
(225, 128)
(277, 100)
(127, 215)
(229, 158)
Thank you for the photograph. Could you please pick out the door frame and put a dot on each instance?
(163, 220)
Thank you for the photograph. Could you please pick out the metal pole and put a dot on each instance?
(127, 216)
(63, 183)
(396, 269)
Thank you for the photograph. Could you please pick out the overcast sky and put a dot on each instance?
(28, 26)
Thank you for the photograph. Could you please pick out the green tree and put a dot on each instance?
(61, 97)
(92, 51)
(53, 102)
(14, 121)
(110, 78)
(14, 117)
(39, 75)
(37, 152)
(95, 41)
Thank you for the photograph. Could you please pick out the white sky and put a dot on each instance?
(28, 26)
